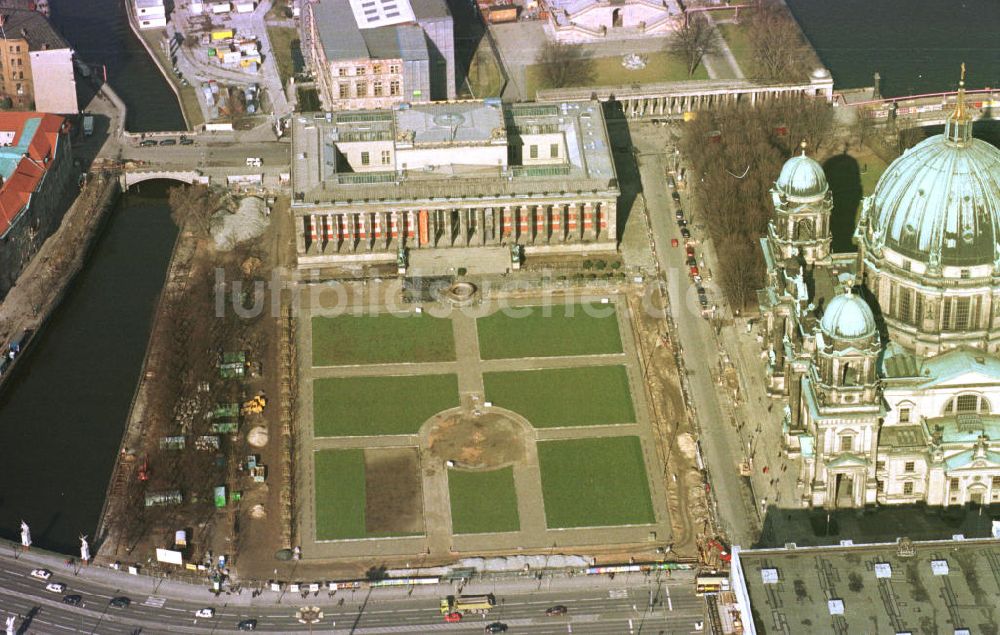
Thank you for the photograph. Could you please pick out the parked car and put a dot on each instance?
(55, 587)
(685, 232)
(120, 602)
(41, 574)
(72, 600)
(168, 142)
(692, 262)
(703, 301)
(206, 612)
(674, 242)
(558, 609)
(693, 270)
(671, 182)
(681, 222)
(496, 627)
(247, 625)
(679, 214)
(453, 617)
(187, 141)
(689, 250)
(676, 196)
(147, 143)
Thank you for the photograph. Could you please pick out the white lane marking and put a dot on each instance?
(670, 603)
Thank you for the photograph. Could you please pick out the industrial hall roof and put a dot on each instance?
(941, 586)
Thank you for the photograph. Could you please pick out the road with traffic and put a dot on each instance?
(700, 352)
(633, 603)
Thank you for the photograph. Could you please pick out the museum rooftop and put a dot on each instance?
(441, 150)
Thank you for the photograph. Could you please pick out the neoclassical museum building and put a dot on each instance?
(889, 358)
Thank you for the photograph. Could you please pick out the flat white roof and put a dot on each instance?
(370, 14)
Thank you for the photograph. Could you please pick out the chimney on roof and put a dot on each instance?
(24, 33)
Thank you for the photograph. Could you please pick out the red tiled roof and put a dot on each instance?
(17, 189)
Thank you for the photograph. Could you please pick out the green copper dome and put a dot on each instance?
(848, 316)
(939, 203)
(802, 179)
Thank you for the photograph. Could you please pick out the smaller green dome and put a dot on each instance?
(848, 316)
(802, 179)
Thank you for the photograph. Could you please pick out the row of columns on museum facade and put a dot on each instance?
(463, 227)
(653, 105)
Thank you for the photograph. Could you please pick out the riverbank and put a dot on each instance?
(43, 284)
(122, 487)
(170, 78)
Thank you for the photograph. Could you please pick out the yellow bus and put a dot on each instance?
(710, 584)
(468, 604)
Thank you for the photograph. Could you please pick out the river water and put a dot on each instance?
(916, 45)
(99, 32)
(63, 412)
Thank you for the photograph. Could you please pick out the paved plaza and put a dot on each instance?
(382, 476)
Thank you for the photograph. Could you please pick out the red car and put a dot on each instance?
(690, 251)
(453, 617)
(694, 271)
(674, 242)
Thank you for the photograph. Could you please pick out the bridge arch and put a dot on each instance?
(134, 177)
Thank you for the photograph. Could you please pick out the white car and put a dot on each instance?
(205, 613)
(41, 574)
(55, 587)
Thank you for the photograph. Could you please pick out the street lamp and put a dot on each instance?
(309, 615)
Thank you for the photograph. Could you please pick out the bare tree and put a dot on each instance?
(779, 50)
(737, 153)
(564, 65)
(692, 40)
(192, 206)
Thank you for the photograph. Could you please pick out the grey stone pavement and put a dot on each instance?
(439, 544)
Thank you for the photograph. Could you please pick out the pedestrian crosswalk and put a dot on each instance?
(155, 601)
(618, 594)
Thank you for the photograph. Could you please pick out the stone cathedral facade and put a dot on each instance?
(889, 358)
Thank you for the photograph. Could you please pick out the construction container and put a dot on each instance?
(221, 7)
(225, 34)
(231, 57)
(244, 7)
(220, 496)
(500, 13)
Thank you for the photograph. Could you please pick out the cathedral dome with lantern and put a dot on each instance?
(802, 179)
(939, 203)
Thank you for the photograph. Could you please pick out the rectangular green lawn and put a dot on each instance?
(562, 397)
(385, 338)
(594, 482)
(340, 494)
(570, 329)
(483, 502)
(360, 406)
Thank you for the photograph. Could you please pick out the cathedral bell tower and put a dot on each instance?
(800, 226)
